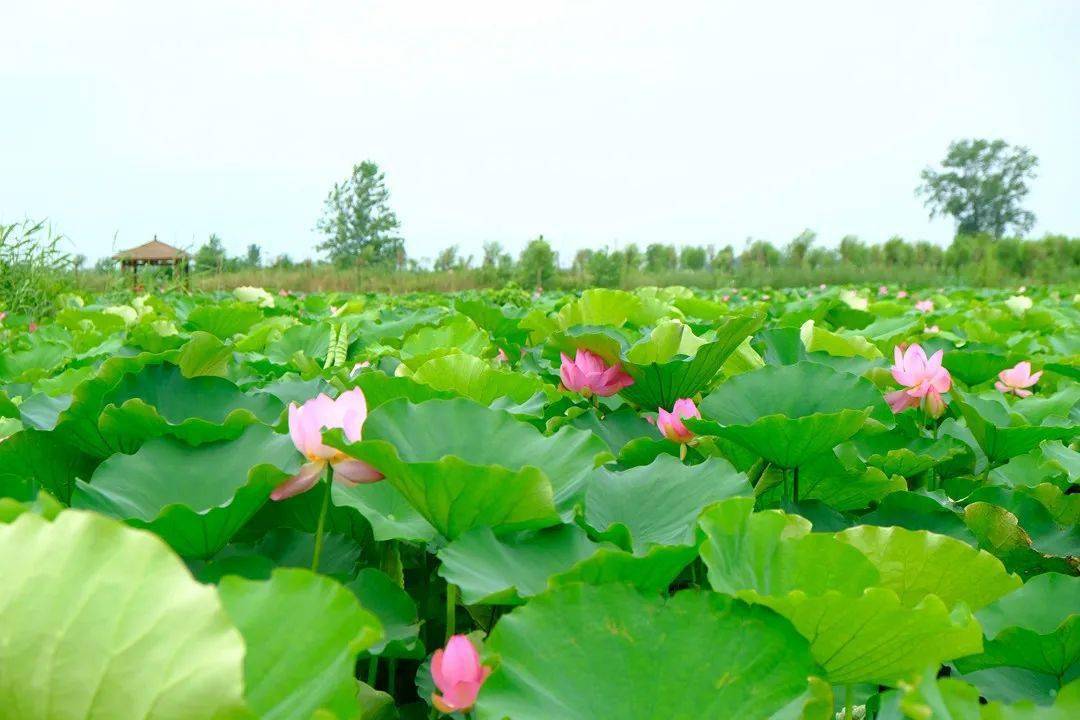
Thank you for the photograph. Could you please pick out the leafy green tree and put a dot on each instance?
(799, 246)
(357, 222)
(898, 252)
(660, 258)
(449, 259)
(605, 268)
(497, 264)
(692, 257)
(211, 256)
(537, 263)
(253, 258)
(981, 184)
(853, 251)
(724, 260)
(632, 257)
(761, 253)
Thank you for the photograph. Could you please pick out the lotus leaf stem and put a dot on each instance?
(322, 519)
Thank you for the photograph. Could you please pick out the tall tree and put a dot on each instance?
(981, 184)
(253, 258)
(210, 256)
(537, 263)
(359, 226)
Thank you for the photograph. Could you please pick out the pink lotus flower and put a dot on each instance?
(726, 298)
(925, 306)
(901, 294)
(501, 357)
(924, 379)
(588, 374)
(306, 424)
(458, 675)
(3, 315)
(283, 292)
(883, 290)
(671, 424)
(32, 327)
(1017, 379)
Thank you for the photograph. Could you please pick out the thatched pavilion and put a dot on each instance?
(155, 253)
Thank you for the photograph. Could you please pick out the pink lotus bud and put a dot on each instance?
(901, 294)
(306, 425)
(283, 292)
(458, 675)
(671, 424)
(924, 306)
(588, 374)
(501, 357)
(1017, 379)
(922, 377)
(883, 290)
(726, 298)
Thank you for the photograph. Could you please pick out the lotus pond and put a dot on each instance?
(662, 504)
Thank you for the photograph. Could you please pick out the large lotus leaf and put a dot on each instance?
(953, 699)
(674, 364)
(159, 400)
(616, 428)
(390, 514)
(502, 571)
(583, 652)
(380, 388)
(897, 453)
(194, 497)
(1048, 535)
(1003, 434)
(395, 610)
(825, 585)
(791, 413)
(659, 503)
(973, 367)
(457, 333)
(916, 563)
(303, 632)
(837, 344)
(653, 571)
(462, 465)
(921, 511)
(204, 354)
(837, 479)
(999, 531)
(1036, 627)
(225, 319)
(601, 306)
(473, 378)
(98, 620)
(38, 361)
(33, 459)
(313, 341)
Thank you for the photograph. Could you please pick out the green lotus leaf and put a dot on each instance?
(837, 344)
(866, 598)
(920, 511)
(603, 340)
(390, 514)
(462, 465)
(395, 610)
(953, 699)
(790, 414)
(204, 354)
(837, 479)
(1046, 534)
(196, 498)
(42, 412)
(659, 503)
(303, 632)
(455, 333)
(39, 361)
(224, 320)
(313, 341)
(380, 388)
(291, 388)
(159, 400)
(616, 428)
(916, 563)
(493, 570)
(999, 532)
(1003, 434)
(898, 453)
(33, 459)
(673, 363)
(1012, 684)
(87, 582)
(601, 306)
(973, 367)
(469, 376)
(583, 652)
(650, 572)
(1036, 627)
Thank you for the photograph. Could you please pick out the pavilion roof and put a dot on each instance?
(153, 250)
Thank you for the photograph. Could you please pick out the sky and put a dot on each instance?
(592, 123)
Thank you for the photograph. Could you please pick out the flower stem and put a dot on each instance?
(451, 609)
(322, 519)
(795, 485)
(847, 702)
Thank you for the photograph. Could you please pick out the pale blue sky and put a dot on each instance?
(591, 122)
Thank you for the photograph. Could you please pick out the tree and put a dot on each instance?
(981, 185)
(605, 267)
(692, 257)
(359, 226)
(799, 246)
(659, 258)
(632, 257)
(253, 258)
(211, 256)
(537, 263)
(853, 251)
(449, 259)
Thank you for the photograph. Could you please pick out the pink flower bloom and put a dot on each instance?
(901, 294)
(32, 327)
(501, 357)
(283, 292)
(924, 379)
(925, 306)
(3, 315)
(458, 675)
(726, 298)
(883, 290)
(588, 374)
(671, 424)
(306, 425)
(1017, 379)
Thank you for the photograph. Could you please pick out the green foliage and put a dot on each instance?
(32, 269)
(981, 185)
(357, 222)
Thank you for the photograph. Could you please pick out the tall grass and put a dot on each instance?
(33, 268)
